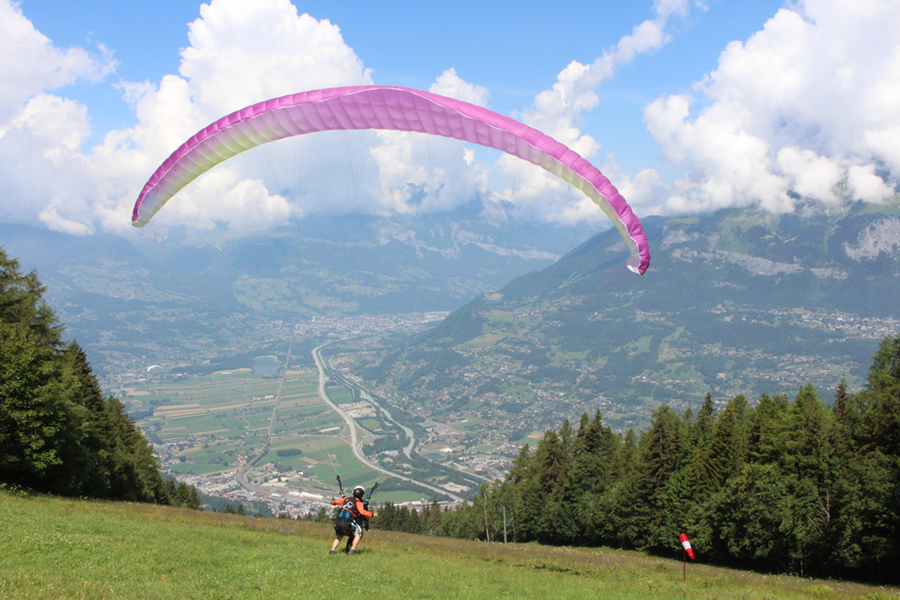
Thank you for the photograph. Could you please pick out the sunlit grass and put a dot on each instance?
(56, 548)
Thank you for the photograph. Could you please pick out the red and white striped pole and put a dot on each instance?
(688, 551)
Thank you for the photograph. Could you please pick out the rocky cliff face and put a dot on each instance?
(882, 236)
(845, 261)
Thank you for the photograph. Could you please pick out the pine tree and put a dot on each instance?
(612, 523)
(22, 301)
(433, 516)
(879, 439)
(704, 427)
(182, 495)
(654, 523)
(586, 482)
(31, 417)
(194, 499)
(882, 395)
(87, 448)
(805, 463)
(58, 433)
(627, 459)
(550, 463)
(697, 489)
(567, 438)
(765, 430)
(385, 518)
(848, 471)
(729, 447)
(541, 484)
(519, 471)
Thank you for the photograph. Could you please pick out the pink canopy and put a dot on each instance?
(391, 108)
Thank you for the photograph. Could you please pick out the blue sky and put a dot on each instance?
(686, 106)
(515, 49)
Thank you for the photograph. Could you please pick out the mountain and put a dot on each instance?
(181, 293)
(740, 301)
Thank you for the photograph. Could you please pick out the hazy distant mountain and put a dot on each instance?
(190, 290)
(740, 301)
(848, 262)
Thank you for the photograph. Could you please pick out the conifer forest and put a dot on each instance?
(59, 434)
(782, 485)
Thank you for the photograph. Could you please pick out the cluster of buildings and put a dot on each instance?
(277, 490)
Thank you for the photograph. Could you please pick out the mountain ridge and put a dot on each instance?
(731, 302)
(173, 291)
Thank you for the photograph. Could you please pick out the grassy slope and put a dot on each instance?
(56, 548)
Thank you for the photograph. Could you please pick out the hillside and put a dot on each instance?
(52, 548)
(167, 294)
(737, 302)
(58, 432)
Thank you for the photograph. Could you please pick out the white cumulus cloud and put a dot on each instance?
(240, 53)
(806, 106)
(31, 64)
(557, 112)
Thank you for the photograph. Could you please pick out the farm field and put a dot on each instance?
(211, 425)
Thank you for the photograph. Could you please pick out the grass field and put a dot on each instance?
(230, 404)
(59, 548)
(339, 395)
(223, 414)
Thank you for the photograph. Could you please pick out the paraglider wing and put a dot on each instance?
(389, 108)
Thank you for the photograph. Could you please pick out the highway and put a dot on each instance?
(355, 442)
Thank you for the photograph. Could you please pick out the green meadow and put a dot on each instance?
(232, 404)
(339, 395)
(217, 417)
(63, 548)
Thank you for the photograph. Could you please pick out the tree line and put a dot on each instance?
(793, 486)
(798, 486)
(58, 433)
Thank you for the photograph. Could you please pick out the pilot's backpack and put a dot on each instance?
(343, 522)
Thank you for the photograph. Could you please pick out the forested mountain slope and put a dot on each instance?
(58, 432)
(740, 301)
